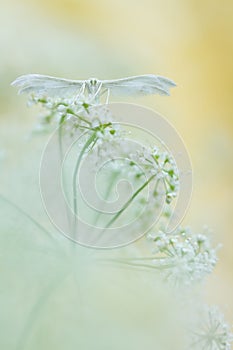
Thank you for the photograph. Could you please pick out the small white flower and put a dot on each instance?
(188, 257)
(212, 332)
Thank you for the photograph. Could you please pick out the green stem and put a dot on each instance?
(132, 264)
(69, 111)
(125, 206)
(109, 188)
(60, 129)
(139, 259)
(87, 144)
(61, 121)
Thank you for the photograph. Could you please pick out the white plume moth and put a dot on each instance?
(43, 85)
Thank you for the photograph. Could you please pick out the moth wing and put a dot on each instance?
(140, 85)
(43, 85)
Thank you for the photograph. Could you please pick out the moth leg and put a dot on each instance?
(98, 90)
(108, 95)
(107, 90)
(97, 94)
(80, 93)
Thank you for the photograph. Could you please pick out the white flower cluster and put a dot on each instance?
(211, 331)
(57, 108)
(152, 174)
(108, 132)
(104, 140)
(76, 116)
(161, 166)
(183, 257)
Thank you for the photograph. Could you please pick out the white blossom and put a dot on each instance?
(183, 257)
(211, 332)
(153, 162)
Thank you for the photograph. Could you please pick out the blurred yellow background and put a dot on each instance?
(190, 42)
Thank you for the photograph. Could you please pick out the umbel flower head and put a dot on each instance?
(154, 162)
(180, 258)
(73, 115)
(102, 139)
(183, 257)
(211, 331)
